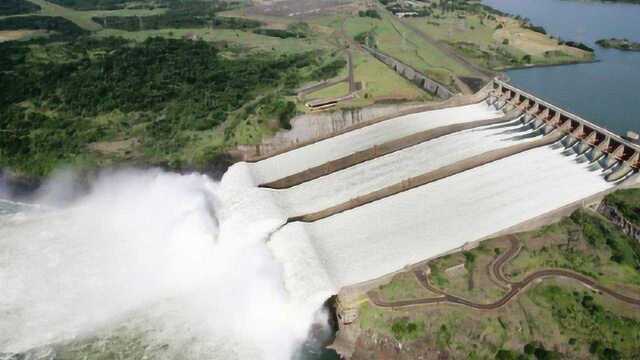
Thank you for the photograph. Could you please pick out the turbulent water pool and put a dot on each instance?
(150, 264)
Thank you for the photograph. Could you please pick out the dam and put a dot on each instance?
(371, 201)
(183, 260)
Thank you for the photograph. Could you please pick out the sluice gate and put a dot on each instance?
(367, 202)
(612, 152)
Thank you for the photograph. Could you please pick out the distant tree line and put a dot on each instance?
(13, 7)
(49, 23)
(279, 33)
(187, 14)
(372, 13)
(92, 4)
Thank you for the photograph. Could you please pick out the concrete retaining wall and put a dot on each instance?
(421, 80)
(312, 128)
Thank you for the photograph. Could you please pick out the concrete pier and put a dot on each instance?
(584, 137)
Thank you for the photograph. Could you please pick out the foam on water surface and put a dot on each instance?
(382, 237)
(393, 168)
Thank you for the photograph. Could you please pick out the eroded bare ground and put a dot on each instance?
(569, 290)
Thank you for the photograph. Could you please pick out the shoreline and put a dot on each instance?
(534, 66)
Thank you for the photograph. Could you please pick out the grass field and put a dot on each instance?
(380, 82)
(497, 43)
(336, 90)
(393, 38)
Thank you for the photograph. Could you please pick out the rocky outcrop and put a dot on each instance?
(614, 215)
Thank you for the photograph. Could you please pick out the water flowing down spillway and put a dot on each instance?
(375, 174)
(158, 265)
(364, 138)
(171, 266)
(382, 237)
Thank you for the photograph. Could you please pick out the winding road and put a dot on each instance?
(515, 288)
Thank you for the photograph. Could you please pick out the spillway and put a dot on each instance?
(298, 160)
(382, 237)
(372, 175)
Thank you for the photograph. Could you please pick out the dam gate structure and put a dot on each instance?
(381, 197)
(599, 144)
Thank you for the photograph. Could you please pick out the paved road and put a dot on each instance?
(515, 287)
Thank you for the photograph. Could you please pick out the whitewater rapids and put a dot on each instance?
(179, 260)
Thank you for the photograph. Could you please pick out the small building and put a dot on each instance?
(191, 36)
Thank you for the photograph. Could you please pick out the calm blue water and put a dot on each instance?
(606, 92)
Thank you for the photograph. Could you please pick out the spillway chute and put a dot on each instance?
(608, 162)
(581, 148)
(595, 154)
(569, 141)
(620, 172)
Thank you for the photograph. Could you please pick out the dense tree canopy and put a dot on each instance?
(49, 23)
(164, 89)
(12, 7)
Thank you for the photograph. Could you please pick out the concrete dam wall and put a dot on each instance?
(372, 200)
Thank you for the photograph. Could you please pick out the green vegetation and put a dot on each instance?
(59, 25)
(404, 286)
(556, 318)
(495, 40)
(12, 7)
(327, 71)
(369, 13)
(620, 44)
(168, 95)
(580, 314)
(405, 330)
(283, 34)
(585, 243)
(92, 4)
(628, 202)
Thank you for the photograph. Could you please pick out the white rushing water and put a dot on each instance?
(185, 253)
(390, 169)
(382, 237)
(348, 143)
(179, 266)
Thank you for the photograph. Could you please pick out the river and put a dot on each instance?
(605, 92)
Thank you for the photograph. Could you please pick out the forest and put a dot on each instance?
(50, 23)
(13, 7)
(163, 92)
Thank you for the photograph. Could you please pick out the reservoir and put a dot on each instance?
(605, 92)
